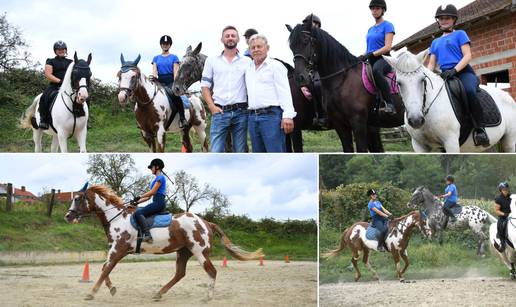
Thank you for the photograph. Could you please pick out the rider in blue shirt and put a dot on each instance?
(380, 217)
(164, 68)
(451, 197)
(158, 190)
(379, 42)
(452, 51)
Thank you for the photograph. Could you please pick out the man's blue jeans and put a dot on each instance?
(265, 131)
(234, 122)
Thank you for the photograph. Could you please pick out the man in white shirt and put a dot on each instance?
(223, 88)
(271, 110)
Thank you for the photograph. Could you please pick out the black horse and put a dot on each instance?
(190, 71)
(350, 106)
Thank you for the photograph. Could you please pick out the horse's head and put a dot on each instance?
(190, 70)
(423, 224)
(128, 78)
(303, 45)
(81, 75)
(411, 77)
(79, 207)
(418, 199)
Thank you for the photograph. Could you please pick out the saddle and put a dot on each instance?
(172, 100)
(370, 84)
(372, 233)
(162, 219)
(456, 210)
(490, 116)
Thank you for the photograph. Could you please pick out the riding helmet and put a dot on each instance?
(60, 45)
(315, 19)
(371, 192)
(378, 3)
(503, 185)
(447, 10)
(158, 163)
(450, 178)
(250, 32)
(165, 39)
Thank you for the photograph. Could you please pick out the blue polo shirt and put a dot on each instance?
(376, 35)
(454, 197)
(165, 64)
(447, 49)
(163, 187)
(374, 204)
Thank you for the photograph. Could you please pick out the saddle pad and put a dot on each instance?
(491, 116)
(369, 85)
(156, 221)
(186, 102)
(456, 210)
(372, 233)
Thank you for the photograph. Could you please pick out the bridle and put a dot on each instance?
(83, 71)
(424, 108)
(81, 213)
(129, 91)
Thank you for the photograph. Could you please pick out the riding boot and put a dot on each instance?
(381, 244)
(44, 116)
(445, 222)
(480, 137)
(142, 224)
(386, 104)
(181, 109)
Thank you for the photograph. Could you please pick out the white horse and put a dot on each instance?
(153, 110)
(66, 124)
(508, 257)
(433, 124)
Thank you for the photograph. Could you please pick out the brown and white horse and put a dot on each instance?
(400, 230)
(187, 235)
(153, 111)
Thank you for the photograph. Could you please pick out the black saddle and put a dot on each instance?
(456, 210)
(490, 116)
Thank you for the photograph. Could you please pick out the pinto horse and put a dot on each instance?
(398, 236)
(65, 122)
(187, 235)
(350, 106)
(154, 114)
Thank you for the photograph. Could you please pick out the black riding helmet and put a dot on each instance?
(447, 10)
(60, 45)
(315, 19)
(158, 163)
(165, 39)
(503, 185)
(378, 3)
(450, 178)
(250, 32)
(371, 192)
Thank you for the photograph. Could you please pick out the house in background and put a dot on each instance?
(491, 26)
(22, 195)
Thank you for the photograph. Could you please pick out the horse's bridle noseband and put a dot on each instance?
(129, 91)
(80, 213)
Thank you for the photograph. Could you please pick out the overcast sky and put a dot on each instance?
(279, 186)
(107, 28)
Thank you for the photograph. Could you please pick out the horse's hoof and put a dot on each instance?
(402, 280)
(112, 291)
(88, 297)
(157, 296)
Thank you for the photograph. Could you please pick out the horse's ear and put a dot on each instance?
(391, 60)
(122, 60)
(89, 59)
(189, 50)
(422, 55)
(75, 57)
(289, 27)
(84, 187)
(137, 60)
(197, 49)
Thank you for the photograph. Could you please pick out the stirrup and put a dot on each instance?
(387, 108)
(43, 126)
(482, 134)
(182, 123)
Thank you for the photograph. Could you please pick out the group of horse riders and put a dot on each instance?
(502, 208)
(451, 51)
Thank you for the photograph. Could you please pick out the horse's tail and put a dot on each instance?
(25, 120)
(234, 250)
(339, 249)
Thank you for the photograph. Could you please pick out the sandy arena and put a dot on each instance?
(429, 292)
(240, 284)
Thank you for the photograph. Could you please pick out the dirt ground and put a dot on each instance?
(428, 292)
(240, 284)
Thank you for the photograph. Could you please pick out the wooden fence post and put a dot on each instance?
(51, 203)
(9, 202)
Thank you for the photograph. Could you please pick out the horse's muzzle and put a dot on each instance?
(416, 122)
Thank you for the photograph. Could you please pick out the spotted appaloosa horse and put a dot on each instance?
(400, 230)
(471, 217)
(187, 235)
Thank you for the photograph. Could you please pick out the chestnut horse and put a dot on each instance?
(398, 236)
(187, 235)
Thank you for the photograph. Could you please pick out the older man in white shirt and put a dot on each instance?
(271, 110)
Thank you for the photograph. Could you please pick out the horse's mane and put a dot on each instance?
(401, 218)
(289, 67)
(67, 80)
(107, 194)
(407, 62)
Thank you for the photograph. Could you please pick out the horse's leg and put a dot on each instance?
(354, 260)
(288, 142)
(37, 136)
(117, 252)
(201, 132)
(209, 268)
(54, 147)
(360, 134)
(346, 138)
(451, 145)
(508, 144)
(406, 261)
(187, 142)
(396, 257)
(368, 265)
(63, 142)
(182, 259)
(81, 139)
(374, 139)
(297, 140)
(108, 283)
(418, 147)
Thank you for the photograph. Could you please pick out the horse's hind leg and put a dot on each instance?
(368, 265)
(508, 144)
(37, 136)
(182, 259)
(406, 261)
(209, 268)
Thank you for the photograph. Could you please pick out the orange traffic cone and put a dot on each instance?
(225, 262)
(261, 260)
(86, 273)
(183, 149)
(286, 259)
